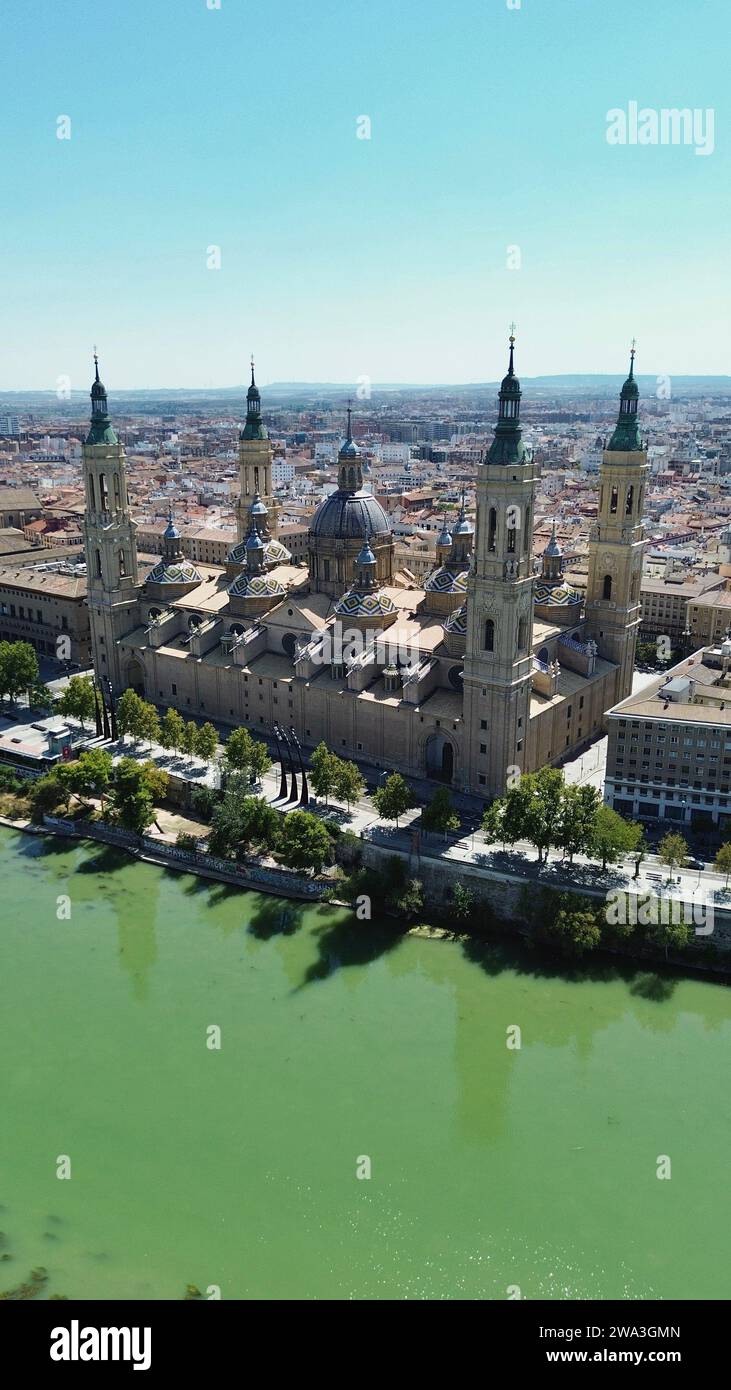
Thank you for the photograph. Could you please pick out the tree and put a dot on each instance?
(613, 836)
(304, 842)
(670, 934)
(149, 723)
(190, 738)
(40, 696)
(723, 861)
(440, 814)
(225, 825)
(492, 822)
(516, 807)
(136, 788)
(570, 924)
(90, 775)
(577, 930)
(672, 851)
(323, 771)
(259, 822)
(393, 798)
(78, 700)
(206, 742)
(18, 668)
(48, 793)
(260, 761)
(348, 785)
(546, 792)
(172, 730)
(246, 754)
(579, 807)
(137, 718)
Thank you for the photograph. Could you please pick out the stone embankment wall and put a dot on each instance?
(505, 894)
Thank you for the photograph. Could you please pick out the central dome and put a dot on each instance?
(345, 515)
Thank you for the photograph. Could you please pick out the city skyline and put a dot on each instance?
(240, 130)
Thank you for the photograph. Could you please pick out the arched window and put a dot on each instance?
(117, 500)
(511, 540)
(526, 531)
(103, 492)
(489, 635)
(613, 503)
(607, 588)
(628, 502)
(122, 564)
(99, 564)
(491, 529)
(256, 480)
(92, 495)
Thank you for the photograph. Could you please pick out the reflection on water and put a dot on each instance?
(490, 1166)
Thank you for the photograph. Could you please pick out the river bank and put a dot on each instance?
(497, 1158)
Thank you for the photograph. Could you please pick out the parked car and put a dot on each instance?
(693, 863)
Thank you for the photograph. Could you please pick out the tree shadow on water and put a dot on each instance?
(657, 988)
(349, 942)
(275, 917)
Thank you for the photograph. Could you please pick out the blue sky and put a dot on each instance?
(341, 257)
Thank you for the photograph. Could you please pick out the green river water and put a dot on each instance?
(490, 1167)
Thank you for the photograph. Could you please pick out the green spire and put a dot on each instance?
(253, 429)
(101, 431)
(507, 446)
(626, 437)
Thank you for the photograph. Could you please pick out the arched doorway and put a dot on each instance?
(440, 758)
(135, 677)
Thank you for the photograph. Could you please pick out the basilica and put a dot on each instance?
(487, 671)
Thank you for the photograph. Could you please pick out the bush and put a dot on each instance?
(9, 781)
(186, 841)
(203, 803)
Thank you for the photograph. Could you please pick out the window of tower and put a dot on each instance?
(607, 587)
(92, 495)
(489, 635)
(522, 634)
(613, 503)
(326, 569)
(122, 564)
(492, 528)
(256, 480)
(511, 540)
(526, 531)
(99, 563)
(117, 502)
(103, 492)
(628, 502)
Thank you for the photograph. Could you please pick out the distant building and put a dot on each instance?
(665, 602)
(18, 506)
(46, 606)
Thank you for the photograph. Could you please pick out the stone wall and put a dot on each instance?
(505, 894)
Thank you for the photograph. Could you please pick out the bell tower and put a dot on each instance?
(616, 542)
(498, 653)
(255, 465)
(109, 537)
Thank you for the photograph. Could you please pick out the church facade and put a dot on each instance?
(486, 671)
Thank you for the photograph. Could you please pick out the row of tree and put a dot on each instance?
(128, 792)
(552, 814)
(333, 776)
